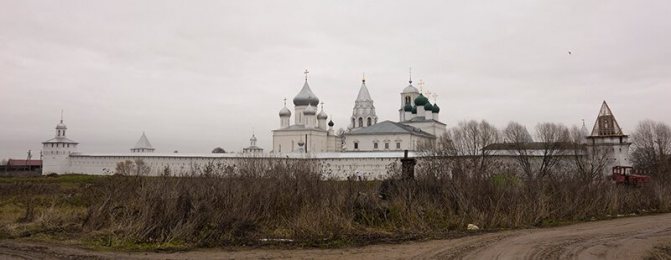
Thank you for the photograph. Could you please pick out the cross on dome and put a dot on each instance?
(306, 74)
(410, 75)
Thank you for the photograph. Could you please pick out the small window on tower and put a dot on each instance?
(386, 145)
(375, 145)
(369, 121)
(356, 146)
(398, 145)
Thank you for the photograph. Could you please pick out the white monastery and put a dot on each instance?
(366, 149)
(418, 123)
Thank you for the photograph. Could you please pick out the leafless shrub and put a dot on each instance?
(651, 143)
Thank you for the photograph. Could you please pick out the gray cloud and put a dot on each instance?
(196, 75)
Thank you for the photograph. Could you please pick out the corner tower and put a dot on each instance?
(143, 145)
(607, 136)
(56, 151)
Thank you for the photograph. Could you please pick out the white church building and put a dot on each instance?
(418, 124)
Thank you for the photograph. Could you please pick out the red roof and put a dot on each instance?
(15, 162)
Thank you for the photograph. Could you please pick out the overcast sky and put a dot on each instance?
(195, 75)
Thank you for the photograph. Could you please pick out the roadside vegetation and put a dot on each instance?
(289, 203)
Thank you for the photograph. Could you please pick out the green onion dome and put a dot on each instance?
(421, 100)
(428, 107)
(407, 108)
(436, 109)
(414, 110)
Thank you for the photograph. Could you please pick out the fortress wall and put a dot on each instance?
(338, 168)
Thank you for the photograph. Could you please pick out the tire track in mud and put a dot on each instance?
(626, 238)
(623, 238)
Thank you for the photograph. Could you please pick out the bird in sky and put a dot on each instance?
(569, 53)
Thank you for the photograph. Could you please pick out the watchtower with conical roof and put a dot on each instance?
(143, 145)
(608, 137)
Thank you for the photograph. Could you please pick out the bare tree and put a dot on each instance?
(590, 161)
(554, 140)
(652, 147)
(468, 140)
(128, 167)
(518, 137)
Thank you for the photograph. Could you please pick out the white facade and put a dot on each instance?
(56, 151)
(309, 133)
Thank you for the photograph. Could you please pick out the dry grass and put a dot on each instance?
(289, 202)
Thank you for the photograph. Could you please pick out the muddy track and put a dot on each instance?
(623, 238)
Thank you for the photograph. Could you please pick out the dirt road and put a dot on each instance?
(623, 238)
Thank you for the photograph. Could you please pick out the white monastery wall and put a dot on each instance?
(332, 165)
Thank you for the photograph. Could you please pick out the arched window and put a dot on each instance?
(407, 100)
(369, 121)
(353, 122)
(374, 145)
(360, 121)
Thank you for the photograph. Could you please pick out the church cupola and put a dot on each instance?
(421, 100)
(428, 109)
(309, 116)
(285, 115)
(60, 129)
(321, 118)
(304, 98)
(407, 108)
(310, 110)
(435, 111)
(363, 114)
